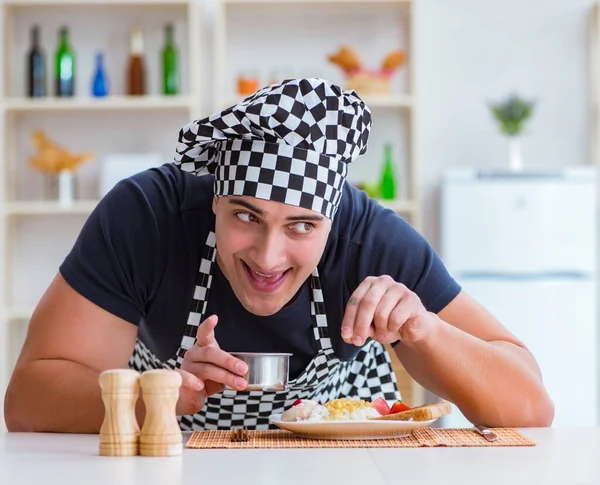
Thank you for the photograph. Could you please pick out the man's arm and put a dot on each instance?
(469, 358)
(70, 341)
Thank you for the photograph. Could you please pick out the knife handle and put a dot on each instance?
(487, 433)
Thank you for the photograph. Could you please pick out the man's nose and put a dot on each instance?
(270, 252)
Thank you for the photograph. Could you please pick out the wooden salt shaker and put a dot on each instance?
(120, 431)
(160, 434)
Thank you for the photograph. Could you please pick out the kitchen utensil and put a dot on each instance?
(487, 433)
(266, 371)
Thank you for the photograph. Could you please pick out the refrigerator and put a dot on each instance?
(524, 246)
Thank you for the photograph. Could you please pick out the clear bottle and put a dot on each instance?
(170, 64)
(65, 66)
(100, 81)
(36, 66)
(136, 69)
(387, 189)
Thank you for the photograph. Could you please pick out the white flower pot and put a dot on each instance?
(515, 159)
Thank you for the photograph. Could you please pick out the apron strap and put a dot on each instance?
(317, 310)
(200, 298)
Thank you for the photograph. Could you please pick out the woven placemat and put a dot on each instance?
(428, 437)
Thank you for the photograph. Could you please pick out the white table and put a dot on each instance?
(562, 456)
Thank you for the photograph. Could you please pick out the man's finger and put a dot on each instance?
(190, 381)
(405, 309)
(352, 310)
(366, 313)
(216, 356)
(205, 337)
(384, 308)
(211, 372)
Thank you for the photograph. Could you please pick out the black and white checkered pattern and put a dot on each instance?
(290, 142)
(368, 376)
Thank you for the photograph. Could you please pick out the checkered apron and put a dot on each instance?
(368, 376)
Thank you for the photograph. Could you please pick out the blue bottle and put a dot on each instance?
(100, 82)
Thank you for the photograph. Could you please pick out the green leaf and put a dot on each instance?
(512, 114)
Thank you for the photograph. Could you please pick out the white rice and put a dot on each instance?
(309, 411)
(320, 413)
(361, 414)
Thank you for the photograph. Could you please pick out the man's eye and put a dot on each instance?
(303, 227)
(246, 216)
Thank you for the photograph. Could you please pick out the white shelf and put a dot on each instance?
(400, 206)
(96, 3)
(19, 313)
(389, 102)
(392, 101)
(113, 103)
(34, 208)
(292, 2)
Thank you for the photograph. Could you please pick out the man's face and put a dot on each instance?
(267, 249)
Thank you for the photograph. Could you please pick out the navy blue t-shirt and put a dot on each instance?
(138, 253)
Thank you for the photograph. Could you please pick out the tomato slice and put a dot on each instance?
(381, 406)
(398, 407)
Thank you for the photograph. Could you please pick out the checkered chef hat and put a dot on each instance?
(289, 142)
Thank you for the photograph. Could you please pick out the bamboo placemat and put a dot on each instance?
(427, 437)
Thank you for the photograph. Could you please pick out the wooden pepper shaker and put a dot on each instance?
(160, 434)
(120, 431)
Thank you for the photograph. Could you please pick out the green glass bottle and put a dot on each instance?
(65, 66)
(170, 64)
(387, 187)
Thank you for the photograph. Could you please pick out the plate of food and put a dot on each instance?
(357, 419)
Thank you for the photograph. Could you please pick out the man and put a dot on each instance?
(253, 241)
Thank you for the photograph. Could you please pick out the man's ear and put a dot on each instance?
(214, 205)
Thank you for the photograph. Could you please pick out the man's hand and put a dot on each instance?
(206, 369)
(386, 311)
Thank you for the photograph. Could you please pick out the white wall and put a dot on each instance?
(472, 51)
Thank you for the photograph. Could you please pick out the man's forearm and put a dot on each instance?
(56, 396)
(493, 383)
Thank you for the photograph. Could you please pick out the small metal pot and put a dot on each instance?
(266, 372)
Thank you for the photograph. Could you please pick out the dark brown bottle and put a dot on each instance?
(36, 66)
(136, 70)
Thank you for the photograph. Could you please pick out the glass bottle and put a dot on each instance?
(100, 81)
(170, 64)
(136, 70)
(36, 66)
(65, 66)
(388, 179)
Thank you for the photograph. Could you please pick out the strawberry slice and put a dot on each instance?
(296, 402)
(381, 406)
(398, 407)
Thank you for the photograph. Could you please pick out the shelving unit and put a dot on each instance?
(117, 123)
(112, 122)
(245, 29)
(401, 103)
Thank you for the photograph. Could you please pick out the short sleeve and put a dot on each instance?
(115, 262)
(392, 246)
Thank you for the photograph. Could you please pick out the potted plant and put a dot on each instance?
(511, 115)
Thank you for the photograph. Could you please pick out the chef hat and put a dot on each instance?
(289, 142)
